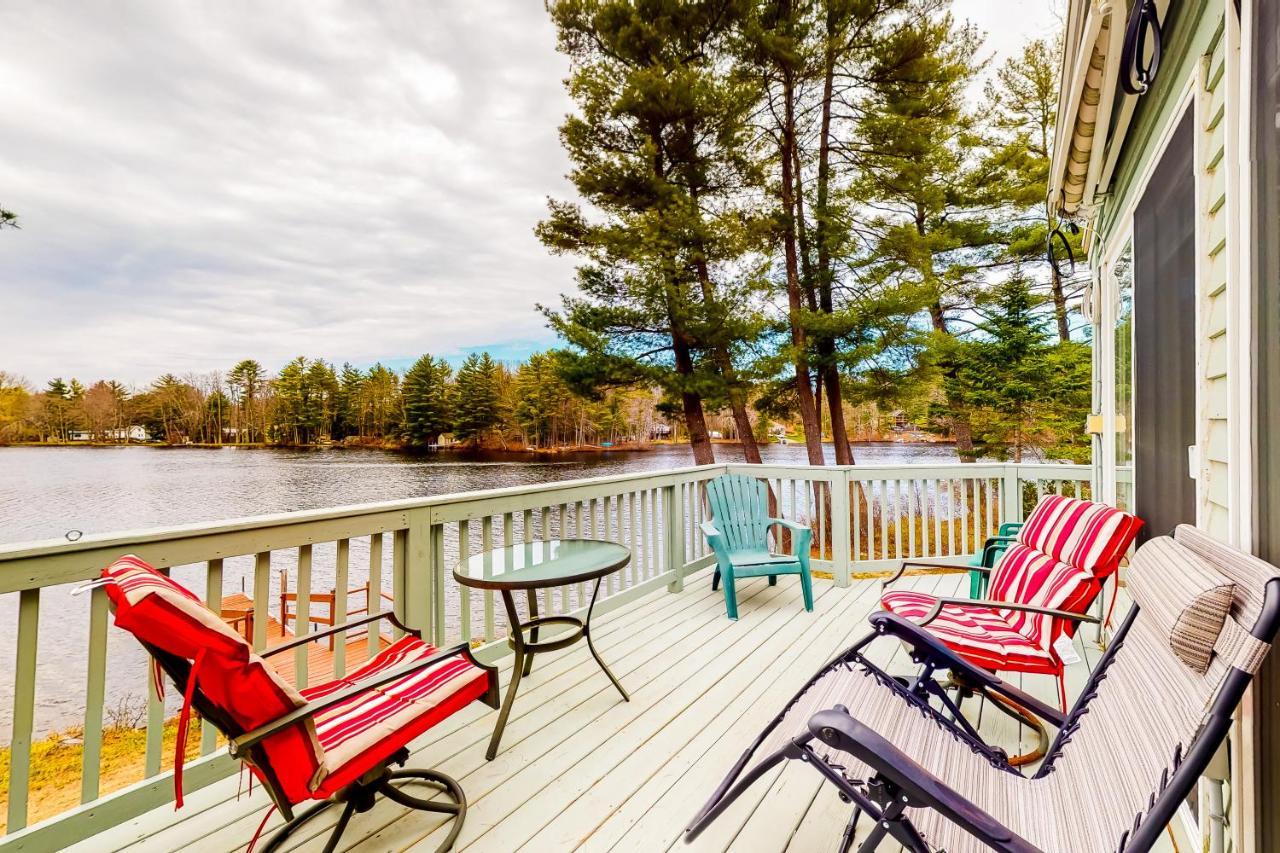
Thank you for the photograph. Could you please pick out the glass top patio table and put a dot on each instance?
(534, 565)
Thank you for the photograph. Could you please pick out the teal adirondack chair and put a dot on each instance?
(991, 552)
(738, 534)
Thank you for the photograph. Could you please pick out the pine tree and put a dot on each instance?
(428, 404)
(477, 409)
(921, 164)
(348, 420)
(246, 381)
(657, 148)
(1023, 392)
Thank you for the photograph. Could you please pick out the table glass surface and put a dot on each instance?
(546, 563)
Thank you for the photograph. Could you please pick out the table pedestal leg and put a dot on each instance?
(533, 632)
(517, 670)
(586, 632)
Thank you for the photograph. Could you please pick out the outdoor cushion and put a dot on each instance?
(998, 638)
(365, 729)
(978, 634)
(1088, 535)
(1184, 596)
(229, 673)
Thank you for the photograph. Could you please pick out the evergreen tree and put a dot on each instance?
(8, 219)
(658, 149)
(1023, 393)
(246, 382)
(428, 405)
(348, 419)
(478, 404)
(1024, 97)
(921, 165)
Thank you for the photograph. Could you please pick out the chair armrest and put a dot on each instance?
(925, 646)
(247, 740)
(1003, 605)
(790, 525)
(838, 729)
(337, 629)
(708, 529)
(926, 564)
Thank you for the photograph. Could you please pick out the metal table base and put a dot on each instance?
(524, 651)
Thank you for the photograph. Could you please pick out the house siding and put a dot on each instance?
(1214, 426)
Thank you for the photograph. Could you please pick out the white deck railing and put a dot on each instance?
(864, 517)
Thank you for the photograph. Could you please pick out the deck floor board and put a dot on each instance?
(579, 769)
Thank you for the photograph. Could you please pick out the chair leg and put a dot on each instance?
(730, 596)
(806, 589)
(456, 804)
(715, 579)
(282, 834)
(850, 830)
(773, 580)
(1062, 691)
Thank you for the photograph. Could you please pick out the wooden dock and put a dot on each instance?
(235, 612)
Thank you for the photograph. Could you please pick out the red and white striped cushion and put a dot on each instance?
(370, 726)
(164, 614)
(1026, 576)
(978, 634)
(1088, 535)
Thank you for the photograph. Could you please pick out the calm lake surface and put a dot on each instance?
(47, 492)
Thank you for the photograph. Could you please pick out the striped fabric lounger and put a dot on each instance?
(1151, 717)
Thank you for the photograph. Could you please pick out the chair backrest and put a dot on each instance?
(1091, 536)
(1160, 701)
(740, 508)
(235, 689)
(1063, 552)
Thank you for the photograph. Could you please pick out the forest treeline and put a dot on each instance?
(484, 402)
(806, 205)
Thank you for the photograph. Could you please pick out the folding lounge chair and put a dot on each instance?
(333, 742)
(1153, 713)
(1040, 588)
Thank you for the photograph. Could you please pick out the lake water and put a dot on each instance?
(45, 493)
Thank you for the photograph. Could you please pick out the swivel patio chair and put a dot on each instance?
(738, 533)
(334, 742)
(1044, 582)
(1153, 713)
(992, 550)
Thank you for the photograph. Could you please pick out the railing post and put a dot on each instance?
(840, 534)
(673, 533)
(1010, 494)
(413, 572)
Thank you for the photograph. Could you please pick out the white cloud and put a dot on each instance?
(199, 183)
(202, 182)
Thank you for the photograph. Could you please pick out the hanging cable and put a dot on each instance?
(1066, 246)
(1144, 23)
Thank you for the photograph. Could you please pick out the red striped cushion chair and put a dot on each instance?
(1063, 554)
(332, 742)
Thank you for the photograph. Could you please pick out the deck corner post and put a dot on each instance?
(840, 534)
(414, 569)
(1010, 494)
(673, 534)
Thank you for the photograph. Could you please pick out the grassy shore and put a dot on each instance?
(56, 763)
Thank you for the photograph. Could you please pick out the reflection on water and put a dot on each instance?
(47, 492)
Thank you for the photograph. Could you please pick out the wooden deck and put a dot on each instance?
(581, 770)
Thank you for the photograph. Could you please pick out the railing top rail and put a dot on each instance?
(390, 515)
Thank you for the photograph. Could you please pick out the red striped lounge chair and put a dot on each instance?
(333, 742)
(1039, 591)
(1203, 621)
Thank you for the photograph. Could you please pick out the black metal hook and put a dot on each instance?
(1143, 24)
(1066, 244)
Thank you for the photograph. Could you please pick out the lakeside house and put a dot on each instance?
(1166, 160)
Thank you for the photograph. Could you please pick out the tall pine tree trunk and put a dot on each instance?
(1059, 304)
(795, 299)
(694, 417)
(829, 374)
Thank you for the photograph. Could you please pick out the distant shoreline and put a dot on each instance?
(451, 449)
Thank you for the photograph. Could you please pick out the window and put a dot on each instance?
(1122, 282)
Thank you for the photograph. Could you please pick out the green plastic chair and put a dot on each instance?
(992, 550)
(738, 534)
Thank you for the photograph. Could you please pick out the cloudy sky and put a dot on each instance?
(203, 182)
